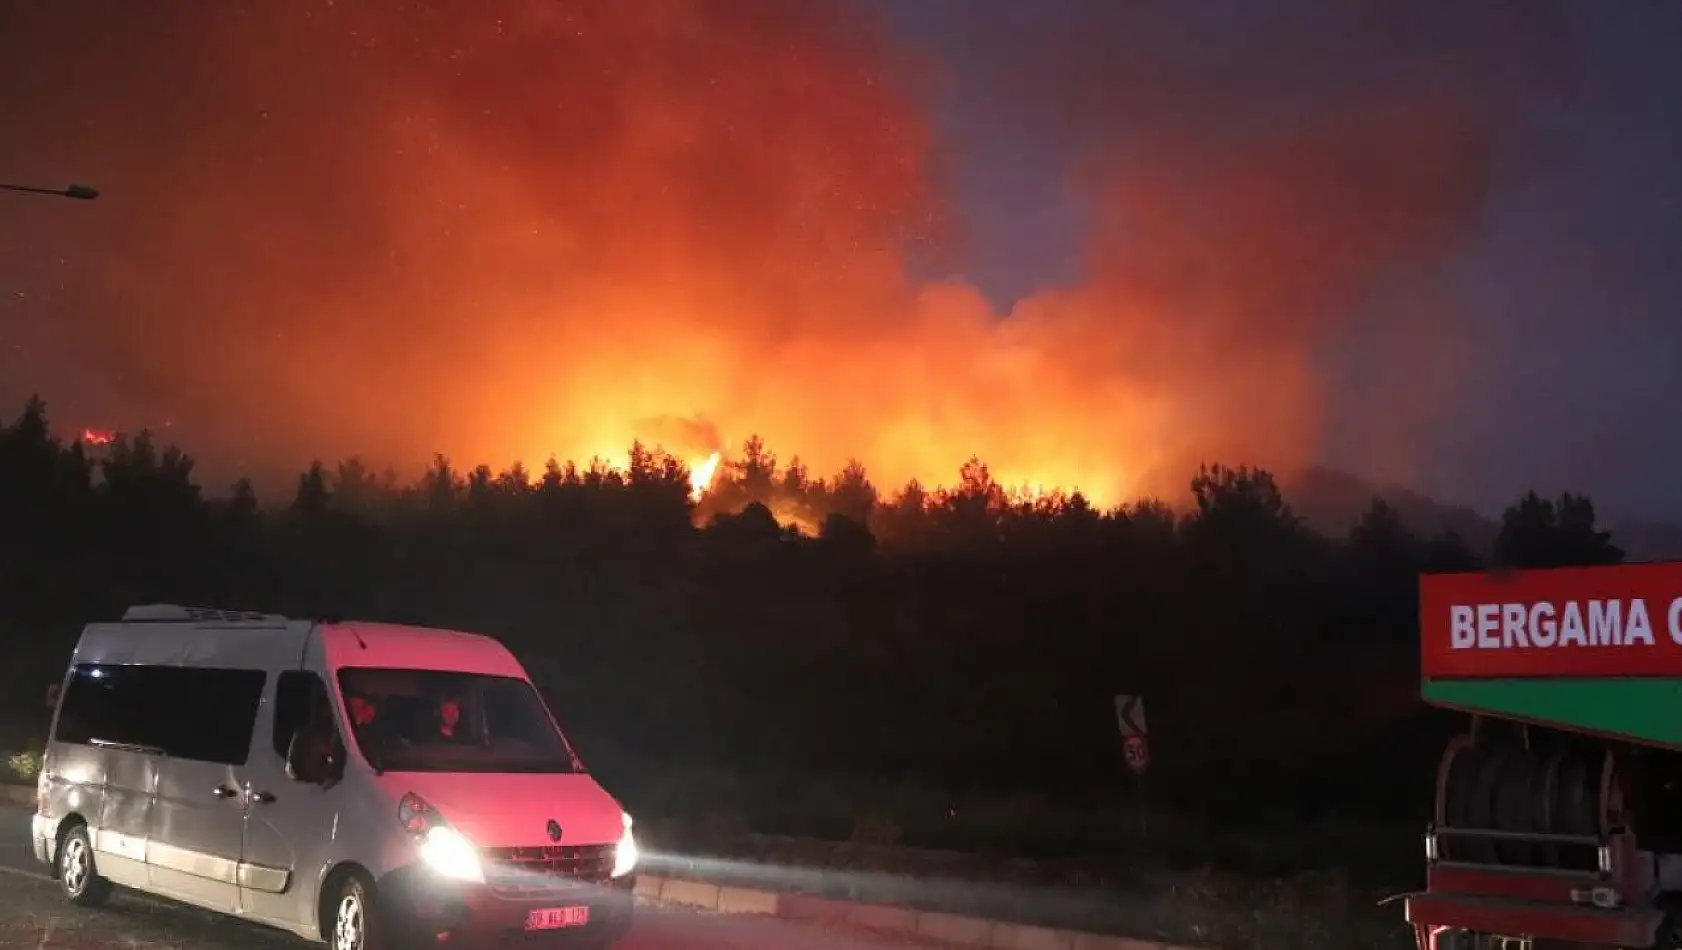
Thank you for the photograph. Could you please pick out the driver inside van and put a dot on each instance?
(361, 709)
(449, 717)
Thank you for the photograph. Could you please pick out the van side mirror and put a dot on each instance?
(312, 763)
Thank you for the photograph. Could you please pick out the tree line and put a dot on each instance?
(966, 638)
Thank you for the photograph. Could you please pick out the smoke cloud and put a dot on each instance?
(509, 229)
(1260, 180)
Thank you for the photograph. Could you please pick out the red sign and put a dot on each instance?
(1136, 749)
(1622, 620)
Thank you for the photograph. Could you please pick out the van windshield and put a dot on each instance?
(446, 721)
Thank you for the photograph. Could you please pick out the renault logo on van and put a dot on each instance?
(554, 830)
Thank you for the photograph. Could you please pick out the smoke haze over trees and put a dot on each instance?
(966, 640)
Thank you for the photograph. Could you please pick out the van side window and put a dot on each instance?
(297, 692)
(213, 721)
(185, 712)
(108, 704)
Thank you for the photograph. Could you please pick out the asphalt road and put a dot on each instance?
(34, 915)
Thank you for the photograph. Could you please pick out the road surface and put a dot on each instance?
(33, 916)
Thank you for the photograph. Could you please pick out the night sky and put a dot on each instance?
(1434, 243)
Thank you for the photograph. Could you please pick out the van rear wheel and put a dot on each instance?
(355, 918)
(77, 873)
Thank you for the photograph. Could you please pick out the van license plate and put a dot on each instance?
(557, 918)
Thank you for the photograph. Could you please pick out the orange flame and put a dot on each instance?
(98, 436)
(701, 476)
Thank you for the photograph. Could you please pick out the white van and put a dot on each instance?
(368, 785)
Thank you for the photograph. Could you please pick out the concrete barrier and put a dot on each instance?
(950, 929)
(690, 893)
(745, 900)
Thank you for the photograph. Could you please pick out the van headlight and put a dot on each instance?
(446, 851)
(443, 849)
(625, 853)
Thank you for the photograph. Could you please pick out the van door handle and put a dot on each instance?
(262, 798)
(223, 791)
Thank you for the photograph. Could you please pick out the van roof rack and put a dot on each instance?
(175, 613)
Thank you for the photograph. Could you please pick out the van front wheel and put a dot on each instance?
(77, 874)
(356, 917)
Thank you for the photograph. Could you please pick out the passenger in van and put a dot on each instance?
(449, 717)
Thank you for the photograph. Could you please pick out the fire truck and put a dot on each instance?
(1558, 814)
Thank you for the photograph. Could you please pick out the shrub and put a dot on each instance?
(24, 766)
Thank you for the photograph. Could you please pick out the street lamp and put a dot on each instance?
(79, 192)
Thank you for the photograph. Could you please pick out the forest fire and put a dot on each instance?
(97, 437)
(581, 221)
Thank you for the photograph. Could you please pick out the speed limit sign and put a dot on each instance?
(1136, 749)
